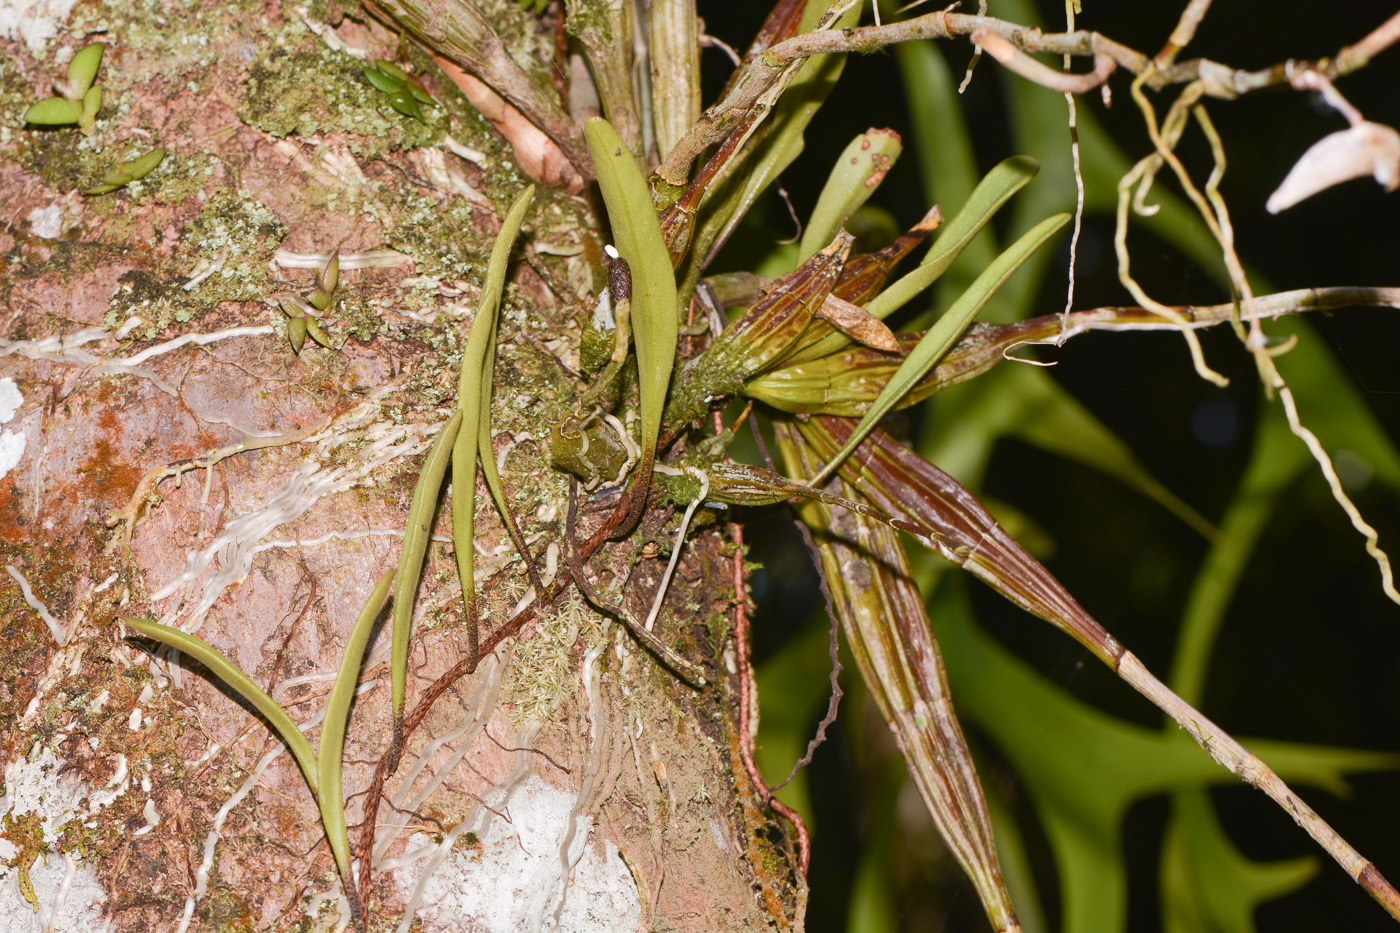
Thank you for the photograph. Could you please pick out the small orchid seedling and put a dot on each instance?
(80, 98)
(124, 173)
(404, 95)
(304, 313)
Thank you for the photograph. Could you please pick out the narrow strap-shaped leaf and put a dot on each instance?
(480, 340)
(328, 763)
(991, 193)
(491, 472)
(945, 332)
(655, 324)
(859, 170)
(228, 672)
(1008, 177)
(415, 546)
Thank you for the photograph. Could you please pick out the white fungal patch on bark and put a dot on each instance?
(34, 21)
(511, 880)
(69, 896)
(11, 442)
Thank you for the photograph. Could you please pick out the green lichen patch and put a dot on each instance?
(353, 316)
(442, 239)
(309, 92)
(234, 231)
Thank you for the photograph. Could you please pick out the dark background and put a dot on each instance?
(1322, 642)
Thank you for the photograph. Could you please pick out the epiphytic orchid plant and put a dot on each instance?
(809, 349)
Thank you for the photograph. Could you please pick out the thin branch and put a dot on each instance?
(1184, 32)
(1218, 80)
(1018, 62)
(1381, 38)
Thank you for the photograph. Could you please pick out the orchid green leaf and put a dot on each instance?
(229, 673)
(56, 111)
(637, 232)
(82, 70)
(473, 394)
(941, 337)
(858, 172)
(986, 199)
(490, 471)
(415, 546)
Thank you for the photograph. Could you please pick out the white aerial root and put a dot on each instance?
(598, 735)
(237, 544)
(1334, 483)
(465, 152)
(680, 536)
(48, 917)
(55, 626)
(368, 259)
(205, 268)
(201, 884)
(67, 348)
(65, 661)
(1078, 180)
(146, 488)
(479, 708)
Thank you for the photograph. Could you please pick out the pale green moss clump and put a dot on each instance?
(544, 667)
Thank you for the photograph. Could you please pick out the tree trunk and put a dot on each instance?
(172, 458)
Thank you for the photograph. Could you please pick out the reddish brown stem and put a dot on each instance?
(741, 652)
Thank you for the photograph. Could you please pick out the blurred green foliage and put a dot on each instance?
(1081, 769)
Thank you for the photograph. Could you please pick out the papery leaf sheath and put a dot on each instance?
(847, 381)
(861, 280)
(903, 484)
(776, 320)
(865, 274)
(887, 628)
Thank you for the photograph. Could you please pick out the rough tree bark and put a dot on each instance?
(140, 332)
